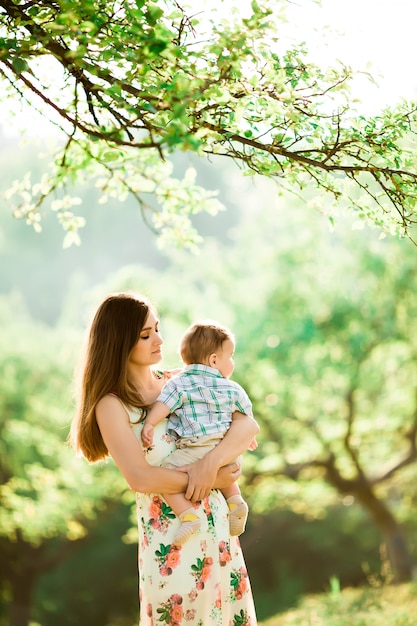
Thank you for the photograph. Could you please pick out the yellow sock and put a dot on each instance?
(238, 514)
(190, 523)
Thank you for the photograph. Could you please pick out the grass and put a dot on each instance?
(387, 605)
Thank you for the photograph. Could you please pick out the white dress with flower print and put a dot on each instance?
(202, 583)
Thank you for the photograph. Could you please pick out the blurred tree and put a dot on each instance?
(44, 515)
(331, 364)
(97, 584)
(289, 556)
(326, 327)
(130, 82)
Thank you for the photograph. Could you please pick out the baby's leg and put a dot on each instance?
(190, 522)
(238, 509)
(191, 450)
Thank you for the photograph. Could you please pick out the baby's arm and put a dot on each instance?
(155, 415)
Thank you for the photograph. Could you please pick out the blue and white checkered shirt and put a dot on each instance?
(201, 401)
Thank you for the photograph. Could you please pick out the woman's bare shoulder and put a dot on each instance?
(111, 403)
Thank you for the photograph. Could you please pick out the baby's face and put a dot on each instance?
(224, 359)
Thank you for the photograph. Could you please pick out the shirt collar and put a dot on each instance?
(197, 368)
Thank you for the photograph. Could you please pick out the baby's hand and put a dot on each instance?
(147, 435)
(253, 444)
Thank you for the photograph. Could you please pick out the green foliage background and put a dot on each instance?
(305, 302)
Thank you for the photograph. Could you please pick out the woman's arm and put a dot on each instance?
(202, 474)
(126, 451)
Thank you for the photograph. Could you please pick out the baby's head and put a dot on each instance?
(209, 343)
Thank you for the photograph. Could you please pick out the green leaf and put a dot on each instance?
(19, 65)
(153, 14)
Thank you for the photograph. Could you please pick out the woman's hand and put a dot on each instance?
(203, 476)
(227, 475)
(170, 373)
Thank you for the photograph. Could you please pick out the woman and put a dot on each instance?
(204, 581)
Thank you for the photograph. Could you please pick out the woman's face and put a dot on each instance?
(148, 349)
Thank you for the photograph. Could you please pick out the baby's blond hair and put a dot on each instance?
(203, 339)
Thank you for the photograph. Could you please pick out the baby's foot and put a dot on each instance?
(190, 523)
(238, 514)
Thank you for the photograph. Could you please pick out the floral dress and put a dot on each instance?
(204, 582)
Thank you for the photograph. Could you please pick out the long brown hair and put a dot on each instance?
(114, 332)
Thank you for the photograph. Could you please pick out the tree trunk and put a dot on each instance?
(398, 555)
(21, 568)
(391, 531)
(22, 589)
(24, 564)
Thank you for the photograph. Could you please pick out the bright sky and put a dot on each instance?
(371, 35)
(379, 32)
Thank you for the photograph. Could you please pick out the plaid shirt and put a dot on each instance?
(201, 401)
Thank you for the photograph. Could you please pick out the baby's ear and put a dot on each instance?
(212, 360)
